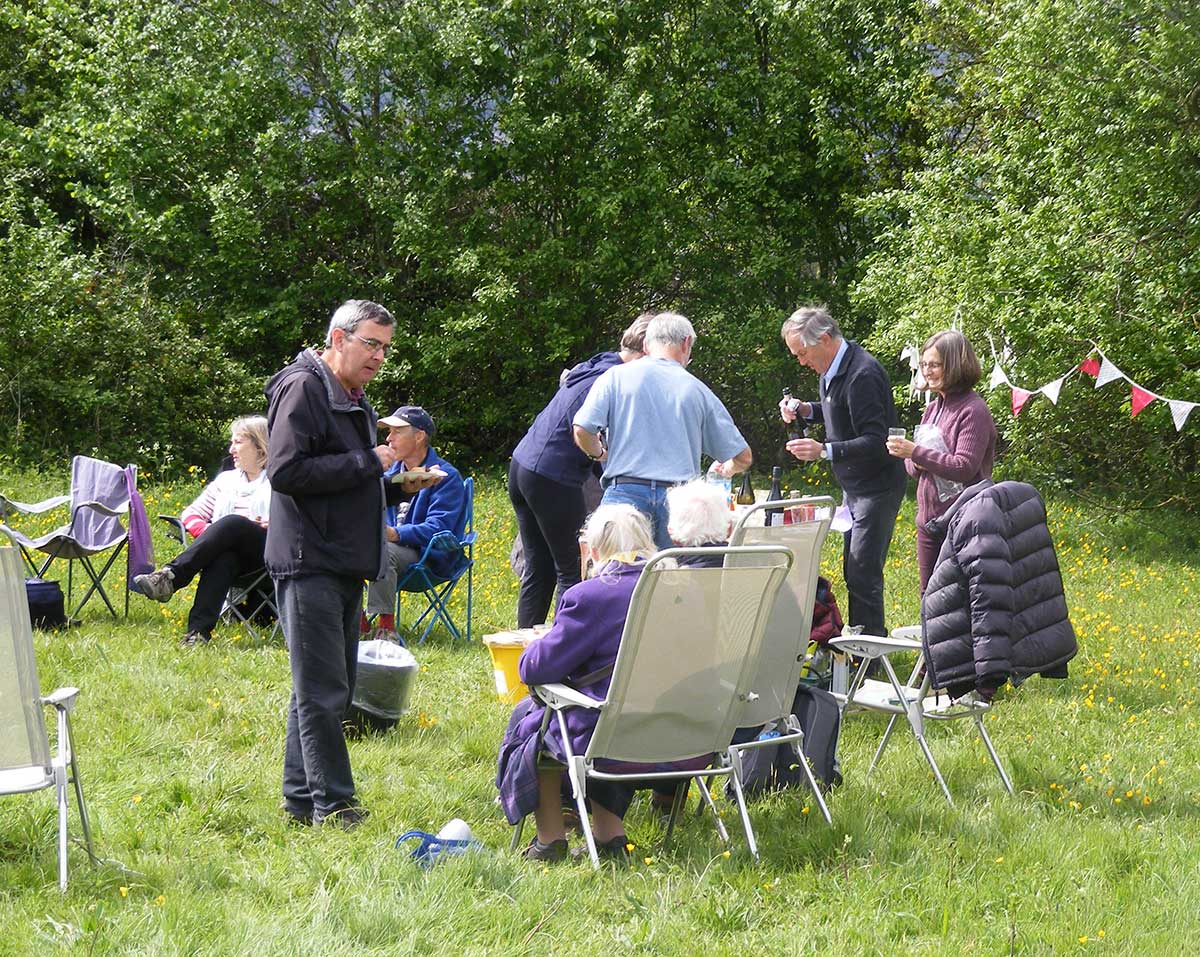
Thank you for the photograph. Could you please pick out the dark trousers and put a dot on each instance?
(319, 614)
(228, 548)
(864, 552)
(549, 517)
(928, 547)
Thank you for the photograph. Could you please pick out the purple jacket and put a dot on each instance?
(970, 434)
(585, 637)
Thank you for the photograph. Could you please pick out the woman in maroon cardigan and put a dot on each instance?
(955, 444)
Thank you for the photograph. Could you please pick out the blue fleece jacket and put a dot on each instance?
(442, 506)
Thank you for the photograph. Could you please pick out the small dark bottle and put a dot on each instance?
(775, 515)
(745, 495)
(794, 429)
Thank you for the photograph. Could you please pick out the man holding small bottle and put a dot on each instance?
(857, 410)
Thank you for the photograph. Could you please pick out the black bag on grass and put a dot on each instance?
(45, 604)
(773, 767)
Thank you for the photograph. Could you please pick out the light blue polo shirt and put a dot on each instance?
(659, 419)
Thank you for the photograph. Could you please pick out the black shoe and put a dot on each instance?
(294, 817)
(346, 818)
(554, 851)
(194, 638)
(616, 849)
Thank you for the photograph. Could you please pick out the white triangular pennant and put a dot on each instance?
(909, 352)
(1051, 389)
(998, 377)
(1180, 410)
(1108, 372)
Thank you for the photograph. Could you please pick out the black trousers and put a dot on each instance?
(864, 552)
(319, 614)
(228, 548)
(549, 517)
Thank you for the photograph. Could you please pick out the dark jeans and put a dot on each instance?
(864, 552)
(228, 548)
(549, 517)
(319, 614)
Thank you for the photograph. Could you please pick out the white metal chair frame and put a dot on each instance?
(911, 700)
(779, 673)
(45, 769)
(774, 563)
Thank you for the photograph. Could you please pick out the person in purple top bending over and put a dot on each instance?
(955, 444)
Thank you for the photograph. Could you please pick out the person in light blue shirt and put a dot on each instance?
(657, 419)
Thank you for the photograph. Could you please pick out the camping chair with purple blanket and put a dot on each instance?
(100, 493)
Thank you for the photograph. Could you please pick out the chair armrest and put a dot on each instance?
(62, 698)
(560, 696)
(910, 632)
(177, 531)
(31, 508)
(100, 507)
(873, 646)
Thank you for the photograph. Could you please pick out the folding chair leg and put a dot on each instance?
(677, 805)
(60, 789)
(933, 766)
(578, 775)
(518, 829)
(707, 802)
(887, 733)
(741, 803)
(77, 781)
(798, 750)
(992, 751)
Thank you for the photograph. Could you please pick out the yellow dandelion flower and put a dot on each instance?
(124, 890)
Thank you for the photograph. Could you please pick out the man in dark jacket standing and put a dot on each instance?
(325, 537)
(857, 408)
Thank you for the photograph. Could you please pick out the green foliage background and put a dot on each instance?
(189, 190)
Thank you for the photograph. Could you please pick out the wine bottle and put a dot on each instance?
(794, 429)
(745, 495)
(775, 515)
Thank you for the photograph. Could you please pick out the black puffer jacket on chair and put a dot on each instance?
(994, 607)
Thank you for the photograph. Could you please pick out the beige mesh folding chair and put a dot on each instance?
(684, 670)
(26, 763)
(785, 643)
(915, 700)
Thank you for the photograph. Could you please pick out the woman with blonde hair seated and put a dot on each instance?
(583, 642)
(229, 523)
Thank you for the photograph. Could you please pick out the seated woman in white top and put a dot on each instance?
(229, 522)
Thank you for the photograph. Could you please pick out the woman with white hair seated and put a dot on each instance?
(698, 517)
(583, 643)
(229, 522)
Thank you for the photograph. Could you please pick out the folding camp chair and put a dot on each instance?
(684, 670)
(785, 643)
(26, 763)
(249, 600)
(100, 493)
(915, 700)
(438, 588)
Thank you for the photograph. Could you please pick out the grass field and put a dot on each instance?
(1097, 852)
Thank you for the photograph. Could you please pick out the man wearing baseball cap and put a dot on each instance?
(435, 509)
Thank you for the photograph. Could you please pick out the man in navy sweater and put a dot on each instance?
(439, 508)
(857, 409)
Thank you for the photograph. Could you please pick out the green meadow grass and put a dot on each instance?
(181, 756)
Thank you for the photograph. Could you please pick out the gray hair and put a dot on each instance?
(353, 313)
(614, 529)
(810, 323)
(669, 329)
(699, 514)
(633, 339)
(253, 427)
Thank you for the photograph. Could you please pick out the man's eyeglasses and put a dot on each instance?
(373, 345)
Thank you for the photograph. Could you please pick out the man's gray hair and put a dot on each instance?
(698, 514)
(810, 323)
(353, 313)
(669, 329)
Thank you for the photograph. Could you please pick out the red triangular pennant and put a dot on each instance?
(1019, 398)
(1090, 366)
(1140, 397)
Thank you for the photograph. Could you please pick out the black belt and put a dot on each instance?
(630, 480)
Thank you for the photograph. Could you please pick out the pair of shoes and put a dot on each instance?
(554, 851)
(382, 634)
(194, 638)
(159, 585)
(346, 818)
(614, 849)
(296, 818)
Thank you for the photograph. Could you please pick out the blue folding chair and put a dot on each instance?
(438, 588)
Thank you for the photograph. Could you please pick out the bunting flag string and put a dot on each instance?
(1099, 366)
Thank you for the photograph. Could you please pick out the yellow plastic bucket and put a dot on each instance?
(505, 647)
